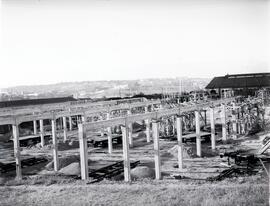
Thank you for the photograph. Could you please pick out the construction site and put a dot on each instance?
(170, 151)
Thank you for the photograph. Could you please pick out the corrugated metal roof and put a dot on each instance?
(240, 81)
(26, 102)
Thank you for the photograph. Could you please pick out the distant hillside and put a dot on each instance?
(97, 89)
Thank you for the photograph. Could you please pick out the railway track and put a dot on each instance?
(110, 171)
(8, 167)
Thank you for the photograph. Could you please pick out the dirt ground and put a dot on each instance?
(192, 189)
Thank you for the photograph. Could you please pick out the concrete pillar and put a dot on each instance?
(108, 116)
(185, 123)
(173, 125)
(223, 122)
(70, 123)
(191, 120)
(146, 109)
(239, 126)
(243, 126)
(198, 135)
(167, 132)
(83, 152)
(130, 138)
(147, 131)
(77, 119)
(205, 117)
(109, 135)
(55, 146)
(42, 140)
(65, 128)
(234, 125)
(127, 176)
(213, 131)
(180, 142)
(156, 149)
(83, 118)
(35, 127)
(17, 152)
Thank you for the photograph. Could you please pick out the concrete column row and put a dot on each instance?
(16, 142)
(127, 137)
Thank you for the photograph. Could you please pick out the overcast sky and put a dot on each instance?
(49, 41)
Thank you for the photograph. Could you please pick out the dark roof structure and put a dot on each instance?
(27, 102)
(255, 80)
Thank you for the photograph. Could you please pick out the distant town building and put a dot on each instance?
(239, 84)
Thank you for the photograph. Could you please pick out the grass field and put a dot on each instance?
(147, 192)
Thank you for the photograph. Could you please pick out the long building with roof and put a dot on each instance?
(239, 84)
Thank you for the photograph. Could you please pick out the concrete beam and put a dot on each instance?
(47, 114)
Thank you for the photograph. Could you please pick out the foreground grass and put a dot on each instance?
(138, 193)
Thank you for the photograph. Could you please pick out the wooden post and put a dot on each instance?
(110, 145)
(17, 152)
(65, 128)
(55, 146)
(42, 140)
(198, 135)
(147, 122)
(156, 149)
(70, 123)
(127, 176)
(213, 130)
(223, 122)
(180, 143)
(83, 152)
(35, 126)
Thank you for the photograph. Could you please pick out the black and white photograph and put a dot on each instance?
(135, 102)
